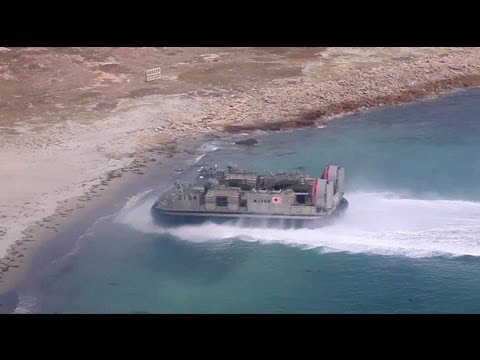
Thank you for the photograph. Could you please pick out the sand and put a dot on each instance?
(73, 121)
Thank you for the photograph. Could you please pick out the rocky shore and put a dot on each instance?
(306, 103)
(61, 152)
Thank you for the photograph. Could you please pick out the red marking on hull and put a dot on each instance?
(315, 191)
(327, 172)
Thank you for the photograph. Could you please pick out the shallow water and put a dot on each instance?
(409, 242)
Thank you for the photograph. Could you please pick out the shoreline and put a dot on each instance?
(15, 267)
(326, 114)
(14, 273)
(142, 131)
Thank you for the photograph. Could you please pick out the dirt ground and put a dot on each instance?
(42, 86)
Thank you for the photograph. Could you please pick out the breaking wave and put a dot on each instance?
(375, 223)
(27, 304)
(90, 231)
(199, 158)
(208, 147)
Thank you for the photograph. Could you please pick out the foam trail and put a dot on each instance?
(27, 304)
(135, 199)
(208, 147)
(199, 158)
(375, 223)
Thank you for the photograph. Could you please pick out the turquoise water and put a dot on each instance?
(409, 243)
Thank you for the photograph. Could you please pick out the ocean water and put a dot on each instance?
(409, 242)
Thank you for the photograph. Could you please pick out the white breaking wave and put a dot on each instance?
(208, 147)
(134, 200)
(375, 223)
(27, 304)
(204, 149)
(199, 158)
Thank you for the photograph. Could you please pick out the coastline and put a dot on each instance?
(326, 114)
(17, 264)
(143, 131)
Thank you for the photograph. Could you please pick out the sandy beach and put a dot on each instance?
(77, 123)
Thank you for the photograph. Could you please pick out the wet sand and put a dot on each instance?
(75, 121)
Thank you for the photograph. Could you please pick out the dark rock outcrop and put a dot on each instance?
(250, 141)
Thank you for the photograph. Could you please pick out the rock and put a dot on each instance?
(250, 141)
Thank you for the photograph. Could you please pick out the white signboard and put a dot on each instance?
(153, 74)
